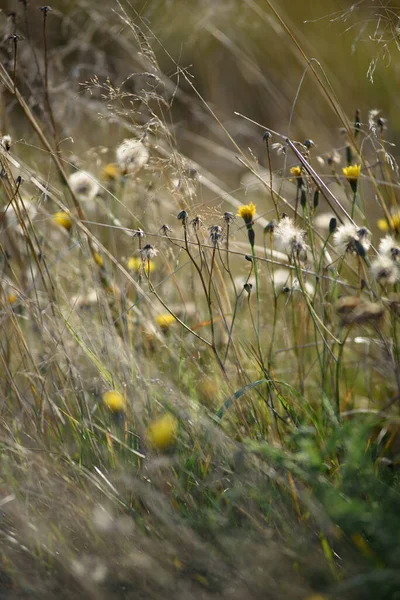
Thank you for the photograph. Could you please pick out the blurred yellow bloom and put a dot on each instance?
(98, 259)
(165, 320)
(135, 264)
(111, 172)
(12, 298)
(114, 401)
(162, 431)
(63, 220)
(394, 222)
(247, 212)
(295, 171)
(352, 172)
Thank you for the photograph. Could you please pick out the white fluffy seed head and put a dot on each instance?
(348, 236)
(131, 155)
(384, 270)
(290, 239)
(84, 186)
(389, 247)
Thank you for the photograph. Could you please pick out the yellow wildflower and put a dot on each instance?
(162, 431)
(111, 172)
(98, 259)
(165, 320)
(296, 171)
(12, 298)
(63, 220)
(136, 264)
(114, 401)
(352, 173)
(247, 212)
(394, 223)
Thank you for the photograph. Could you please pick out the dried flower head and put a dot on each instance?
(353, 310)
(62, 219)
(247, 212)
(229, 217)
(138, 233)
(114, 401)
(384, 270)
(215, 234)
(290, 239)
(352, 174)
(197, 223)
(350, 238)
(131, 156)
(84, 186)
(165, 229)
(183, 216)
(162, 432)
(148, 252)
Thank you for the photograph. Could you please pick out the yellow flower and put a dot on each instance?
(247, 212)
(135, 264)
(111, 172)
(12, 298)
(394, 222)
(63, 220)
(295, 171)
(165, 320)
(352, 173)
(162, 431)
(98, 259)
(114, 401)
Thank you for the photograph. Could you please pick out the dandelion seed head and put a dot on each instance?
(290, 239)
(389, 247)
(384, 270)
(131, 156)
(348, 236)
(84, 186)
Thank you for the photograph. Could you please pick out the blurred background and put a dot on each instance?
(235, 53)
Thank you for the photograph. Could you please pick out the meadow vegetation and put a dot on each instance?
(199, 300)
